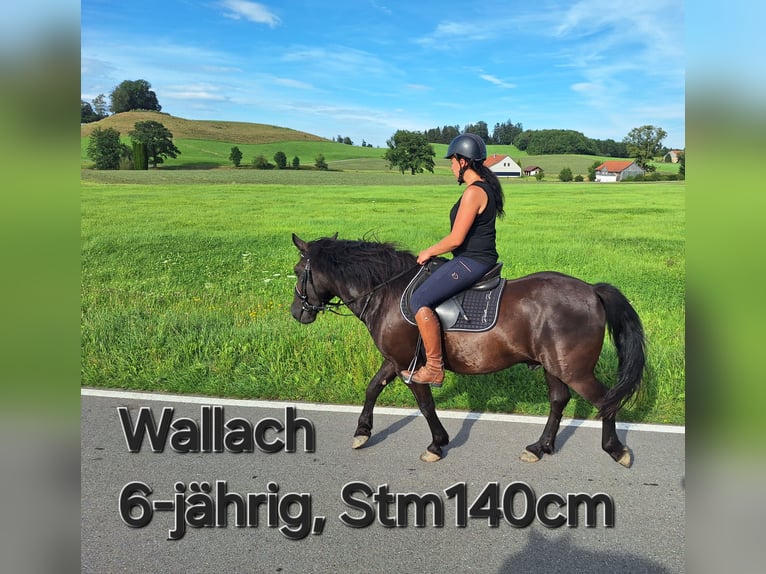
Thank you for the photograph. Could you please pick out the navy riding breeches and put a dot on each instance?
(447, 280)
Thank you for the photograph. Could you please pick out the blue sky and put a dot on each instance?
(366, 68)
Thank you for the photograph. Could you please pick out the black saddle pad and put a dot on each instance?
(472, 310)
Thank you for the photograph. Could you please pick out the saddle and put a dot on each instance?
(473, 310)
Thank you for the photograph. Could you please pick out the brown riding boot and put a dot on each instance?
(432, 373)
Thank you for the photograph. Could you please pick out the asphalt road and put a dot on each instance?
(305, 525)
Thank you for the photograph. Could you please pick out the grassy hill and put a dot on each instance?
(231, 132)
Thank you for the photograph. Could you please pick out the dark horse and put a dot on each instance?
(546, 319)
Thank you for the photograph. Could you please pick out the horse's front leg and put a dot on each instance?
(385, 375)
(439, 436)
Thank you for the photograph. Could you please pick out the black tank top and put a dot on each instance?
(479, 243)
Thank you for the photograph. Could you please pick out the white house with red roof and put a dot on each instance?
(611, 171)
(503, 165)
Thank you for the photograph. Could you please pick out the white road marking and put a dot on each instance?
(444, 414)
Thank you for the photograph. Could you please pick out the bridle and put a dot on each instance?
(332, 306)
(302, 294)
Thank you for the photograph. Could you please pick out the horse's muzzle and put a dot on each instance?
(301, 314)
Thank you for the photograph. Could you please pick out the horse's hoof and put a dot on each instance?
(528, 456)
(428, 456)
(359, 441)
(626, 459)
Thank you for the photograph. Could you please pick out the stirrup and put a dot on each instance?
(435, 384)
(411, 369)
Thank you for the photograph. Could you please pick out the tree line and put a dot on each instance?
(534, 142)
(412, 151)
(280, 160)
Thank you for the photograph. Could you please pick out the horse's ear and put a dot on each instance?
(300, 244)
(335, 236)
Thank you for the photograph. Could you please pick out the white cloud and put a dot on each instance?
(582, 87)
(198, 92)
(252, 11)
(290, 83)
(382, 8)
(448, 34)
(336, 65)
(454, 28)
(497, 81)
(95, 67)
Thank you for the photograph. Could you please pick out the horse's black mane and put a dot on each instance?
(365, 264)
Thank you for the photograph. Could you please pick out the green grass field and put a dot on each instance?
(187, 276)
(205, 154)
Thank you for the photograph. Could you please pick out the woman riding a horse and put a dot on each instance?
(471, 241)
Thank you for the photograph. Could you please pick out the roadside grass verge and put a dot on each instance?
(187, 280)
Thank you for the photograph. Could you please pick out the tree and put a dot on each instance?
(158, 140)
(260, 162)
(644, 143)
(541, 142)
(296, 162)
(565, 174)
(320, 162)
(592, 170)
(610, 148)
(104, 148)
(480, 129)
(410, 151)
(134, 95)
(280, 159)
(235, 156)
(505, 133)
(87, 114)
(682, 165)
(441, 135)
(100, 107)
(140, 156)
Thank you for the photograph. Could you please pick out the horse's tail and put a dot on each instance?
(628, 335)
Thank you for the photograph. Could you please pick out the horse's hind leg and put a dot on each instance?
(558, 396)
(385, 375)
(593, 391)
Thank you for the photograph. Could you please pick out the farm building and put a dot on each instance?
(617, 170)
(672, 156)
(532, 170)
(503, 166)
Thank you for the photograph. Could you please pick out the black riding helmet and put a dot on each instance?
(469, 146)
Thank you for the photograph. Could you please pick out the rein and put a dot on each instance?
(331, 306)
